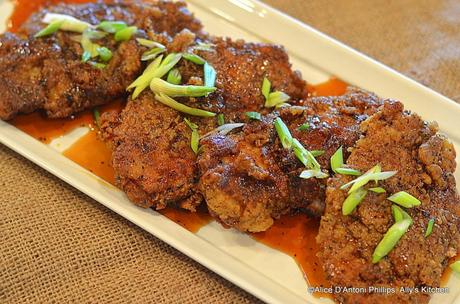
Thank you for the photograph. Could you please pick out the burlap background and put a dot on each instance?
(57, 245)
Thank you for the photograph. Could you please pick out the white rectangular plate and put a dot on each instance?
(268, 274)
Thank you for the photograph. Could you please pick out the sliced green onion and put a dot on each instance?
(305, 156)
(317, 153)
(429, 228)
(373, 174)
(283, 133)
(283, 105)
(399, 214)
(276, 98)
(220, 119)
(455, 266)
(209, 75)
(306, 174)
(125, 34)
(337, 159)
(174, 76)
(208, 47)
(390, 239)
(194, 142)
(97, 117)
(224, 129)
(86, 56)
(353, 200)
(253, 115)
(98, 65)
(266, 87)
(377, 190)
(94, 35)
(404, 199)
(304, 127)
(104, 53)
(152, 54)
(150, 43)
(348, 171)
(112, 26)
(194, 58)
(168, 101)
(191, 125)
(70, 23)
(52, 28)
(158, 85)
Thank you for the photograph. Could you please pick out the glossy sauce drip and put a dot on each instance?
(332, 87)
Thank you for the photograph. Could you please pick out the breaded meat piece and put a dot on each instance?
(248, 179)
(240, 69)
(47, 73)
(425, 163)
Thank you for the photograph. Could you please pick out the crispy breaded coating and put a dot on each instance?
(425, 162)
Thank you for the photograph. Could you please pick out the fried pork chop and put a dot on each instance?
(248, 179)
(47, 73)
(153, 161)
(425, 163)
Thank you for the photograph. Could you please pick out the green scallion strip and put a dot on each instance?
(353, 200)
(399, 214)
(266, 87)
(253, 115)
(194, 58)
(337, 159)
(190, 124)
(97, 117)
(404, 199)
(94, 35)
(224, 129)
(52, 28)
(348, 171)
(70, 23)
(152, 54)
(455, 266)
(168, 101)
(372, 174)
(429, 228)
(304, 127)
(276, 98)
(98, 65)
(174, 77)
(125, 34)
(195, 140)
(207, 47)
(209, 75)
(305, 156)
(377, 190)
(86, 56)
(104, 53)
(283, 133)
(112, 26)
(306, 174)
(158, 85)
(220, 119)
(283, 105)
(390, 239)
(317, 153)
(150, 43)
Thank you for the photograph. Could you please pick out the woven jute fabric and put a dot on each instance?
(58, 245)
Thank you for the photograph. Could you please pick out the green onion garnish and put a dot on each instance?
(404, 199)
(276, 98)
(168, 101)
(306, 174)
(305, 156)
(348, 171)
(152, 54)
(98, 65)
(224, 129)
(94, 35)
(317, 153)
(207, 47)
(220, 119)
(337, 159)
(377, 190)
(112, 26)
(158, 85)
(353, 200)
(455, 266)
(104, 53)
(399, 214)
(194, 58)
(97, 117)
(150, 43)
(253, 115)
(429, 228)
(125, 34)
(86, 56)
(283, 105)
(283, 133)
(52, 28)
(304, 127)
(266, 87)
(209, 75)
(174, 76)
(372, 174)
(70, 23)
(194, 142)
(390, 239)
